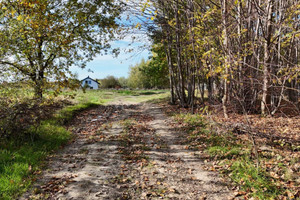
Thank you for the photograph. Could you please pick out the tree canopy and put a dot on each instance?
(41, 39)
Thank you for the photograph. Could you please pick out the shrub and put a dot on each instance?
(110, 82)
(16, 116)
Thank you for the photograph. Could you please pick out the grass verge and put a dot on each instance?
(21, 161)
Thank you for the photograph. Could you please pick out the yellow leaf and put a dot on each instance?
(137, 25)
(13, 12)
(19, 18)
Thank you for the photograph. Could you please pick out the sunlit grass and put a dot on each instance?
(107, 96)
(19, 162)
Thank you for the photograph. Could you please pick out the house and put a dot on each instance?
(90, 83)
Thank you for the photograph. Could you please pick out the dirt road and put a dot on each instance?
(127, 152)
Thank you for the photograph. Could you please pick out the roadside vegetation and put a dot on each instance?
(22, 153)
(258, 167)
(33, 130)
(30, 131)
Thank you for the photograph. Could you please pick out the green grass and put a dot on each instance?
(127, 92)
(67, 113)
(106, 96)
(244, 172)
(21, 160)
(18, 163)
(232, 154)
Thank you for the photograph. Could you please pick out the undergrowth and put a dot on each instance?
(233, 156)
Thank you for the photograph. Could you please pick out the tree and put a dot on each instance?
(123, 82)
(110, 82)
(156, 69)
(245, 52)
(137, 79)
(227, 55)
(149, 74)
(41, 39)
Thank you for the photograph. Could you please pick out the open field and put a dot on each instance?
(108, 96)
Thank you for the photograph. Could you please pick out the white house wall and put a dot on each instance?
(93, 84)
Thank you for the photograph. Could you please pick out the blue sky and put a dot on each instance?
(105, 65)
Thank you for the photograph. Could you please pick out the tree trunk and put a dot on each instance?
(190, 16)
(227, 61)
(267, 43)
(210, 88)
(39, 85)
(181, 85)
(171, 74)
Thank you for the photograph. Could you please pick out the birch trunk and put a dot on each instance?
(267, 43)
(227, 61)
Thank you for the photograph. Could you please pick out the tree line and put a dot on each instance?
(245, 53)
(150, 74)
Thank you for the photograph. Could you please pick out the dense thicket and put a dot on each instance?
(245, 52)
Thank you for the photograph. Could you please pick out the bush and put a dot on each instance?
(123, 82)
(18, 116)
(110, 82)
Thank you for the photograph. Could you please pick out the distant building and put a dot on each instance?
(90, 83)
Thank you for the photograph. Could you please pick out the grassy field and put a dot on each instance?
(109, 96)
(22, 161)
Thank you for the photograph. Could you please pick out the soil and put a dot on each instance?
(108, 160)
